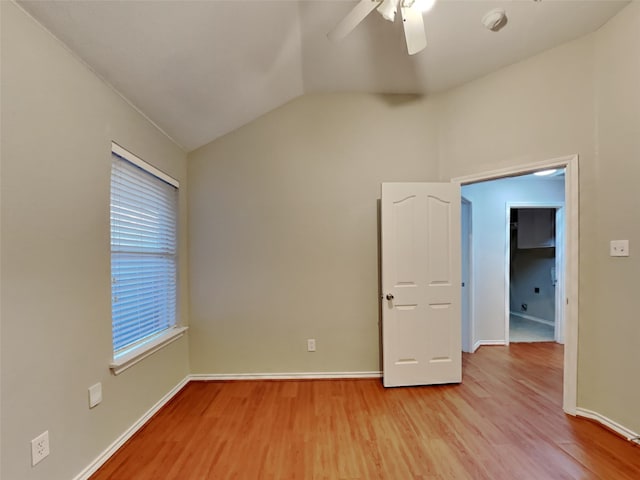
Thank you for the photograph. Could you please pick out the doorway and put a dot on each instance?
(567, 300)
(535, 272)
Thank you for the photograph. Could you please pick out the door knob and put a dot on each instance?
(389, 296)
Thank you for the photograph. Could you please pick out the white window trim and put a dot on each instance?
(139, 351)
(132, 158)
(129, 357)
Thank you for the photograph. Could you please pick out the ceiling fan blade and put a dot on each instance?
(413, 29)
(353, 18)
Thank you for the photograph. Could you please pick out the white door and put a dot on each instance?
(421, 318)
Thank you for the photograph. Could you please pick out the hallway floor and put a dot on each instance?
(523, 330)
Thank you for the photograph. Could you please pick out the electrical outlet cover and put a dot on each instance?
(619, 248)
(39, 448)
(311, 345)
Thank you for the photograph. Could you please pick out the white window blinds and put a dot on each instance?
(143, 251)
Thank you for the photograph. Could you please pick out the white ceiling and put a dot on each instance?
(200, 69)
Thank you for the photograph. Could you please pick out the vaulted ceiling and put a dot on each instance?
(200, 69)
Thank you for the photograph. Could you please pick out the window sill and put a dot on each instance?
(130, 357)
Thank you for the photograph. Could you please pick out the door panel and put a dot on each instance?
(421, 318)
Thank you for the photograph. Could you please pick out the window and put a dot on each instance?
(144, 208)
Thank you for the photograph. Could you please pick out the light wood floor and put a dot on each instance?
(503, 422)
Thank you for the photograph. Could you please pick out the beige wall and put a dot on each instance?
(58, 121)
(283, 237)
(538, 109)
(283, 222)
(610, 332)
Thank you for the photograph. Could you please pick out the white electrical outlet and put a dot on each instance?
(311, 345)
(39, 448)
(95, 395)
(619, 248)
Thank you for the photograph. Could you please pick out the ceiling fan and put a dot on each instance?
(412, 21)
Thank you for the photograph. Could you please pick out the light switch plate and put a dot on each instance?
(619, 248)
(95, 395)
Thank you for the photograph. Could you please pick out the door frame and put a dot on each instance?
(571, 191)
(467, 244)
(560, 266)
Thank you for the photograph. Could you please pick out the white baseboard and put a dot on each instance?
(481, 343)
(532, 318)
(104, 456)
(199, 377)
(610, 424)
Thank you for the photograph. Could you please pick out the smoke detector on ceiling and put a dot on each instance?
(495, 19)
